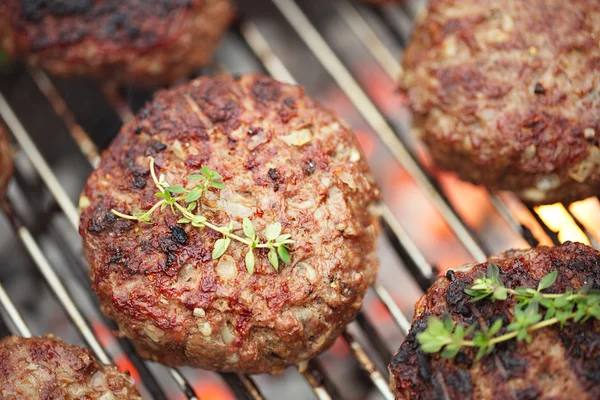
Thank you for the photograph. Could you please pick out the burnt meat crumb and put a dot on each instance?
(138, 130)
(450, 275)
(273, 174)
(309, 168)
(139, 182)
(158, 146)
(178, 234)
(539, 89)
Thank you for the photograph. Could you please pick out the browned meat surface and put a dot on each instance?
(506, 93)
(283, 157)
(134, 41)
(47, 368)
(6, 165)
(557, 364)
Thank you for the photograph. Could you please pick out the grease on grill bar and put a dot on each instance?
(329, 39)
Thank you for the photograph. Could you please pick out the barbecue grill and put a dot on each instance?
(347, 56)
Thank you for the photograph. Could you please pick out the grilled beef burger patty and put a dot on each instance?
(134, 41)
(283, 158)
(557, 364)
(506, 93)
(47, 368)
(6, 166)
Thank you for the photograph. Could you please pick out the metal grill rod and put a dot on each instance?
(13, 314)
(85, 143)
(323, 52)
(376, 377)
(42, 167)
(56, 285)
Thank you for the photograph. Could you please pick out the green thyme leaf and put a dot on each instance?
(248, 229)
(217, 185)
(198, 221)
(196, 177)
(193, 195)
(183, 221)
(493, 271)
(250, 261)
(192, 206)
(495, 328)
(273, 259)
(283, 238)
(283, 254)
(547, 281)
(220, 247)
(273, 231)
(176, 189)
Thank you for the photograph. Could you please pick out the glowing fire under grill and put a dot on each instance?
(347, 56)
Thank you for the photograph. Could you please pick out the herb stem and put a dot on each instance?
(134, 218)
(512, 335)
(186, 213)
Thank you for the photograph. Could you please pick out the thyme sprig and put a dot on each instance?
(185, 203)
(557, 308)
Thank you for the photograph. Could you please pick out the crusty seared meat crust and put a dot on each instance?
(506, 93)
(47, 368)
(283, 158)
(134, 41)
(558, 364)
(6, 166)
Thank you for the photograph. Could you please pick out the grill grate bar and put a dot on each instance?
(42, 167)
(365, 362)
(13, 314)
(322, 387)
(326, 56)
(81, 138)
(56, 285)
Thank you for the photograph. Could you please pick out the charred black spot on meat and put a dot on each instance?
(539, 89)
(34, 10)
(531, 393)
(265, 91)
(460, 381)
(456, 297)
(178, 234)
(309, 168)
(463, 359)
(139, 182)
(274, 175)
(450, 275)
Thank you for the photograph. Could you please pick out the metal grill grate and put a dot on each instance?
(279, 37)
